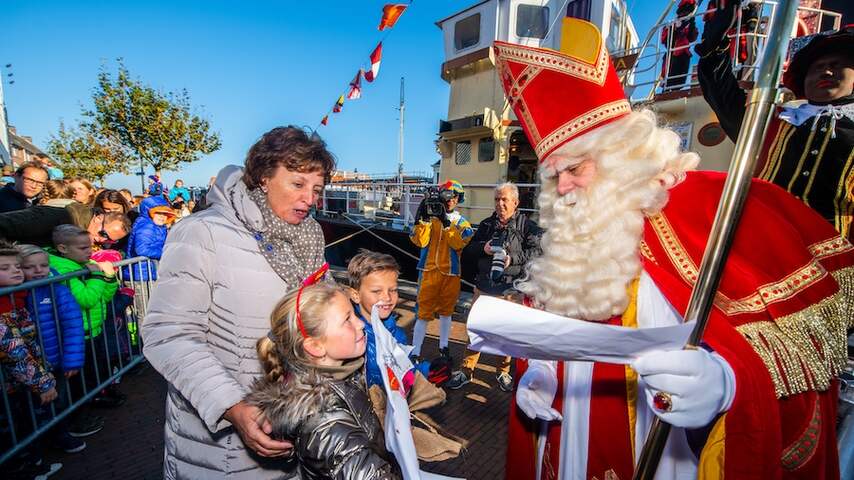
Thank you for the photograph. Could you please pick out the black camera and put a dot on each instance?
(499, 255)
(434, 201)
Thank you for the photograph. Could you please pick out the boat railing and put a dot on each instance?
(398, 203)
(653, 64)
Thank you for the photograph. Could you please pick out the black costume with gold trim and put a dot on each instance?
(812, 161)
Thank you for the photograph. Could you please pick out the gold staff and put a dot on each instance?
(759, 109)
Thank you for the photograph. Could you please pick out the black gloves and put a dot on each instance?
(445, 221)
(421, 214)
(717, 24)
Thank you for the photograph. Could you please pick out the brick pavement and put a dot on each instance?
(131, 445)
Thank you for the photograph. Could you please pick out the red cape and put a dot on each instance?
(784, 303)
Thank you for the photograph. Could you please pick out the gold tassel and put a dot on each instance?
(805, 350)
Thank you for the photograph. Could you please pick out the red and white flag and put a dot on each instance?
(356, 86)
(376, 56)
(391, 13)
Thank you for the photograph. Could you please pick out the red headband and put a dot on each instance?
(311, 280)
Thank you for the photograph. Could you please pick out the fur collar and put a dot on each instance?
(304, 392)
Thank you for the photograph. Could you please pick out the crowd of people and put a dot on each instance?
(52, 226)
(275, 370)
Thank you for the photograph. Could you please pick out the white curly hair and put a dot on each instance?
(590, 245)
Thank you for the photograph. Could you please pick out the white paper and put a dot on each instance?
(505, 328)
(391, 357)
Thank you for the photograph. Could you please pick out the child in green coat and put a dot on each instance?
(93, 293)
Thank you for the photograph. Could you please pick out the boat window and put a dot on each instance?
(579, 9)
(613, 42)
(532, 21)
(467, 32)
(462, 155)
(486, 150)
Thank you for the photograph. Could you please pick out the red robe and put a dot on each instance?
(784, 303)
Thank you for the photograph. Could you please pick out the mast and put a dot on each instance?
(402, 109)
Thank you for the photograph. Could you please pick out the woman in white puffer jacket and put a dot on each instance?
(221, 274)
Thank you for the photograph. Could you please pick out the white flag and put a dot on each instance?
(396, 371)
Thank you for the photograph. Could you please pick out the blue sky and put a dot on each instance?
(248, 66)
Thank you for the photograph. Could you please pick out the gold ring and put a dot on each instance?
(662, 401)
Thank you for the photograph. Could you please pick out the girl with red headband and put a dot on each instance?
(313, 390)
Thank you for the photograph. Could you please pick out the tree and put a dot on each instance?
(80, 153)
(152, 128)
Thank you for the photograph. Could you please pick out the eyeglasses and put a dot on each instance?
(33, 181)
(105, 237)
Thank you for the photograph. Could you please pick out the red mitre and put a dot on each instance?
(558, 96)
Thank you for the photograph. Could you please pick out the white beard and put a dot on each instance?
(592, 235)
(590, 253)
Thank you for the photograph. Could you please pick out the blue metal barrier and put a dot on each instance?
(109, 354)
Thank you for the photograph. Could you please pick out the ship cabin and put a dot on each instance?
(481, 142)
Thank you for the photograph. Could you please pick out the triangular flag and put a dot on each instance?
(391, 12)
(325, 120)
(376, 56)
(338, 104)
(355, 87)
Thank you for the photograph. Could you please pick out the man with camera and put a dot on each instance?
(441, 233)
(504, 242)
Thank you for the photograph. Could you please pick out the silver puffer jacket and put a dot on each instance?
(332, 424)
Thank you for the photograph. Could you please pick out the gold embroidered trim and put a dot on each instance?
(558, 62)
(766, 294)
(647, 252)
(582, 123)
(804, 350)
(773, 292)
(830, 247)
(609, 475)
(803, 449)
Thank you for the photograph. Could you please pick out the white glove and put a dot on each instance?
(700, 384)
(536, 391)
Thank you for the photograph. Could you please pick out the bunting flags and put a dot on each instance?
(391, 13)
(355, 87)
(376, 56)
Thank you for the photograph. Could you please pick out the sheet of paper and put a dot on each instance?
(505, 328)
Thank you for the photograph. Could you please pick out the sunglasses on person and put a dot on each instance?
(106, 240)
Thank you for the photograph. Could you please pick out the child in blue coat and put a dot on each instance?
(373, 280)
(60, 324)
(148, 236)
(40, 304)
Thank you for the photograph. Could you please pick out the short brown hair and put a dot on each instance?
(290, 147)
(367, 262)
(26, 165)
(110, 217)
(57, 189)
(8, 250)
(65, 233)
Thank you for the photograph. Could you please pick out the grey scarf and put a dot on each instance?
(293, 251)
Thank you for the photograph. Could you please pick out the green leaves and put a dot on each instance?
(80, 153)
(132, 123)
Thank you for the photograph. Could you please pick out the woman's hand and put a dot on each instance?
(244, 417)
